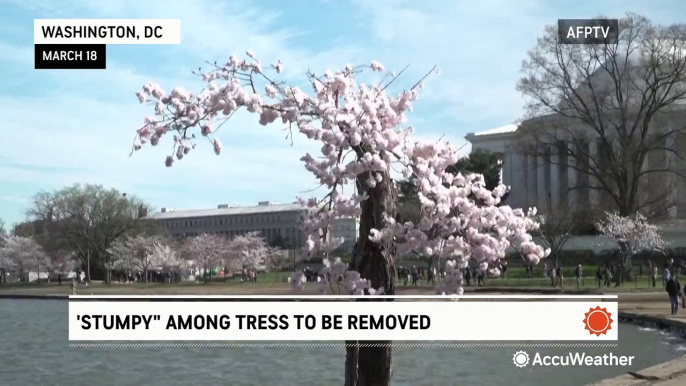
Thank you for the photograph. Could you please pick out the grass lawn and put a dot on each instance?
(276, 283)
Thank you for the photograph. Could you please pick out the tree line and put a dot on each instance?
(98, 231)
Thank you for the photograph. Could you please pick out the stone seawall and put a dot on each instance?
(672, 373)
(660, 323)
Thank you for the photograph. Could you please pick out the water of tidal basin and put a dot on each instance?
(34, 351)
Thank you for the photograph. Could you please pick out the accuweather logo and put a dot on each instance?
(521, 359)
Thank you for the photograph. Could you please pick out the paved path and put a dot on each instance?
(671, 373)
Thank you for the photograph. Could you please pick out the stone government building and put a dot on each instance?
(274, 221)
(539, 183)
(548, 182)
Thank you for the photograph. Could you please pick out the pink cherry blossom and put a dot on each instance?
(631, 234)
(362, 136)
(376, 66)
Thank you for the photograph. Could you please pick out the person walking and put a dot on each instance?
(553, 278)
(673, 288)
(430, 278)
(73, 286)
(545, 270)
(665, 275)
(559, 277)
(652, 273)
(480, 277)
(599, 276)
(578, 273)
(608, 276)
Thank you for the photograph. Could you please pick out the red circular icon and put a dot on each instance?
(598, 321)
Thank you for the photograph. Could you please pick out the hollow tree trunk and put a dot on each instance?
(371, 366)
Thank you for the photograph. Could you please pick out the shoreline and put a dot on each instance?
(660, 323)
(671, 373)
(37, 293)
(648, 309)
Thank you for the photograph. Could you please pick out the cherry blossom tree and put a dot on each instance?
(166, 257)
(6, 262)
(24, 254)
(205, 251)
(363, 134)
(63, 261)
(248, 250)
(135, 254)
(633, 234)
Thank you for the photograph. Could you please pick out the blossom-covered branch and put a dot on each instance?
(632, 234)
(362, 133)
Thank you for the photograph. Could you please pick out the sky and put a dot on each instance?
(61, 127)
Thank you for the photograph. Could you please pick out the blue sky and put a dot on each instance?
(65, 127)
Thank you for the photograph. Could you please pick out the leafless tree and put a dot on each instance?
(87, 218)
(614, 113)
(556, 228)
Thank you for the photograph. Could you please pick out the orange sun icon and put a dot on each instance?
(598, 321)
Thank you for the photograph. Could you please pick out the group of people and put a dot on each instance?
(477, 274)
(311, 275)
(555, 275)
(152, 277)
(416, 275)
(604, 275)
(249, 275)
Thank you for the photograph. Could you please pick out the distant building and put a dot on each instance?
(276, 222)
(272, 220)
(346, 229)
(538, 182)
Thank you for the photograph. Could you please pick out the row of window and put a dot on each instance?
(292, 235)
(223, 221)
(342, 228)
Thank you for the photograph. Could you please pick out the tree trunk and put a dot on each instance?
(371, 366)
(351, 359)
(88, 267)
(624, 270)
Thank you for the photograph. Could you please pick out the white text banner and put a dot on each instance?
(342, 320)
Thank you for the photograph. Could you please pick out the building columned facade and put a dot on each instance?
(548, 178)
(276, 222)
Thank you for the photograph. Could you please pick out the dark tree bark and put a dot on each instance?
(369, 364)
(624, 270)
